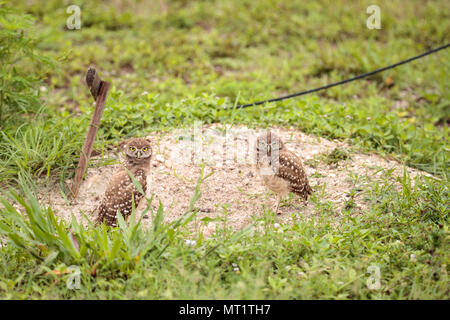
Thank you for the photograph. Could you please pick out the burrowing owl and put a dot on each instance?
(121, 190)
(280, 169)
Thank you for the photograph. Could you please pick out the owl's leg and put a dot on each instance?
(278, 204)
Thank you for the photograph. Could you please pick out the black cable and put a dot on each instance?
(340, 82)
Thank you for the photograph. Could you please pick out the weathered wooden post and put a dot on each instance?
(99, 90)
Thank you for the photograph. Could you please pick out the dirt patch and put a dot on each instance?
(233, 191)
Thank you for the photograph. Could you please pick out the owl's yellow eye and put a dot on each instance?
(132, 148)
(144, 149)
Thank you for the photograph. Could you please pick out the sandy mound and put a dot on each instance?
(233, 189)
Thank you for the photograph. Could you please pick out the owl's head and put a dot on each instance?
(268, 143)
(137, 150)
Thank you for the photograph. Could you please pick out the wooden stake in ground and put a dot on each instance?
(99, 90)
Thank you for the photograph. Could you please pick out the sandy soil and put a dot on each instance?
(233, 188)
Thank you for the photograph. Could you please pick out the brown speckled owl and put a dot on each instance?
(280, 169)
(121, 190)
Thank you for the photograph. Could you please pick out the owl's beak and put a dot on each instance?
(268, 148)
(138, 154)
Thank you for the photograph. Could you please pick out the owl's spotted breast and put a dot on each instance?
(121, 191)
(119, 195)
(284, 176)
(275, 183)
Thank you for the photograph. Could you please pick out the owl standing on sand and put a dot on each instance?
(280, 169)
(121, 190)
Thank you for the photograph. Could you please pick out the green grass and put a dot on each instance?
(175, 62)
(192, 59)
(403, 232)
(335, 156)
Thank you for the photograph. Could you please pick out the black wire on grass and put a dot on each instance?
(364, 75)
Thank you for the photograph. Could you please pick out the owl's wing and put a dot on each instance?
(291, 169)
(119, 196)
